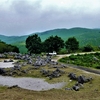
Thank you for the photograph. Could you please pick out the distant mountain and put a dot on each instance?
(12, 39)
(83, 35)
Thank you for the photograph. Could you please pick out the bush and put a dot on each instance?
(62, 51)
(87, 48)
(86, 60)
(72, 57)
(98, 67)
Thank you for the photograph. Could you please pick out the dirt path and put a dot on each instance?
(67, 55)
(87, 70)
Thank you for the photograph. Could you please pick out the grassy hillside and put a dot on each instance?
(21, 46)
(84, 36)
(12, 39)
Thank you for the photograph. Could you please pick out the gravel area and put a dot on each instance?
(36, 84)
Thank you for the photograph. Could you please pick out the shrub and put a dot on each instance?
(72, 57)
(87, 48)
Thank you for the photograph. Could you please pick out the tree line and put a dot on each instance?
(53, 43)
(35, 45)
(7, 47)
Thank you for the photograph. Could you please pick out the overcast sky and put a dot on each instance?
(21, 17)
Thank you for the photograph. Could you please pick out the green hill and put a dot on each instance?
(83, 35)
(12, 39)
(7, 47)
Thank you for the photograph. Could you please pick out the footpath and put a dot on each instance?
(95, 71)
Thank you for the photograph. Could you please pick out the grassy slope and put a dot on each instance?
(12, 39)
(21, 46)
(83, 35)
(63, 33)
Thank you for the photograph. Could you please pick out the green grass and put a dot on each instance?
(87, 60)
(21, 46)
(21, 94)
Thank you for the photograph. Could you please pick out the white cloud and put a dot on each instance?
(75, 5)
(25, 16)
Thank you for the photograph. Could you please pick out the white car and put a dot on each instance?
(54, 53)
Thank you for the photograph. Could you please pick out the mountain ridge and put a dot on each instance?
(83, 35)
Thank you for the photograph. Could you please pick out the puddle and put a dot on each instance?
(36, 84)
(6, 64)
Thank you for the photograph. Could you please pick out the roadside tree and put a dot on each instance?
(87, 48)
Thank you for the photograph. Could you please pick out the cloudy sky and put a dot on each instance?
(21, 17)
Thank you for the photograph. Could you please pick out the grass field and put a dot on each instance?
(87, 60)
(21, 94)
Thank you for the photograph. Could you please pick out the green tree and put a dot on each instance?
(33, 44)
(87, 48)
(7, 47)
(15, 49)
(53, 43)
(72, 44)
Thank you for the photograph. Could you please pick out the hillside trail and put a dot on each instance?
(86, 70)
